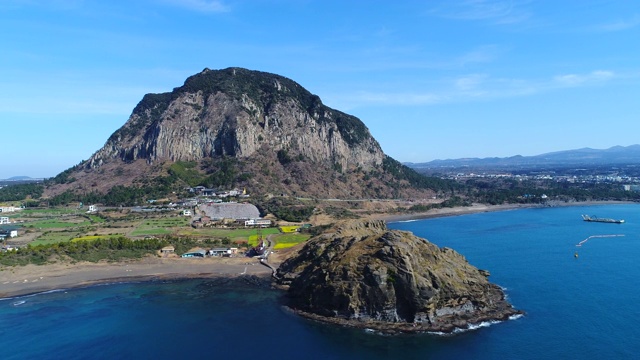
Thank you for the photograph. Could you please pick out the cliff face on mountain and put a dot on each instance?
(362, 274)
(254, 129)
(236, 112)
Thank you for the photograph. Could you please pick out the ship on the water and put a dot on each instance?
(604, 220)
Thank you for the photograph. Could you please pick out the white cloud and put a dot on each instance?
(470, 82)
(620, 25)
(397, 98)
(208, 6)
(572, 80)
(472, 87)
(496, 11)
(482, 54)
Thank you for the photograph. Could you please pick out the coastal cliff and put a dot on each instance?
(362, 274)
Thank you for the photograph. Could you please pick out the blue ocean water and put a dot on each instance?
(576, 308)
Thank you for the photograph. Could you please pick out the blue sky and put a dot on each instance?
(430, 79)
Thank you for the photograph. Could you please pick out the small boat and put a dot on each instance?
(604, 220)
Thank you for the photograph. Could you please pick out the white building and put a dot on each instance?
(257, 222)
(4, 220)
(8, 233)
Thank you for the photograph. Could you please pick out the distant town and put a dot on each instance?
(627, 183)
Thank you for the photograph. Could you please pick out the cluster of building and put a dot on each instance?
(214, 252)
(204, 191)
(229, 215)
(201, 253)
(628, 183)
(8, 233)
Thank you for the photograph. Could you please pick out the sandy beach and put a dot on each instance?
(442, 212)
(479, 208)
(30, 279)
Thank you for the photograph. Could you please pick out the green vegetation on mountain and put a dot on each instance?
(187, 171)
(287, 209)
(21, 192)
(64, 177)
(403, 172)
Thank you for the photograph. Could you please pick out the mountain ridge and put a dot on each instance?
(583, 156)
(243, 128)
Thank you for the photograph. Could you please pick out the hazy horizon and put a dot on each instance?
(414, 162)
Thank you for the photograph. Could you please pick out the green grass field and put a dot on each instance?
(55, 224)
(96, 219)
(95, 237)
(288, 240)
(235, 235)
(289, 229)
(53, 237)
(161, 226)
(47, 212)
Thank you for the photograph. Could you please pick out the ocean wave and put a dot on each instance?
(472, 327)
(32, 295)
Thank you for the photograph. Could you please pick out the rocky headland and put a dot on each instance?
(361, 274)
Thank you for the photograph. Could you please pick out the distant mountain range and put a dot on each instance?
(580, 157)
(20, 178)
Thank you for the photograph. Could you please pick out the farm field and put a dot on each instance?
(285, 241)
(234, 235)
(57, 224)
(159, 226)
(51, 226)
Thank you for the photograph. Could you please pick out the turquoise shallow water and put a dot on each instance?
(576, 308)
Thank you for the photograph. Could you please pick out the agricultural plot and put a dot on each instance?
(289, 229)
(288, 240)
(96, 237)
(53, 237)
(160, 226)
(47, 212)
(235, 235)
(95, 219)
(55, 224)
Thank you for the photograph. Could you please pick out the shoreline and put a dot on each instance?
(29, 280)
(17, 281)
(393, 328)
(481, 208)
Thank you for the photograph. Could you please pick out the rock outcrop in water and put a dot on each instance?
(362, 274)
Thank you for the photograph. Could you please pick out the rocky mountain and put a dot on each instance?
(237, 127)
(579, 157)
(362, 274)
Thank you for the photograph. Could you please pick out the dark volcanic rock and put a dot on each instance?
(363, 274)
